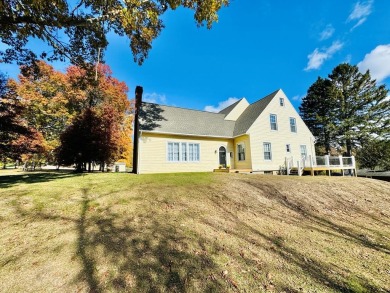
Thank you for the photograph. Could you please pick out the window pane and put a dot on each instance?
(281, 100)
(273, 121)
(293, 125)
(241, 152)
(183, 151)
(190, 152)
(176, 151)
(303, 150)
(196, 152)
(267, 151)
(170, 151)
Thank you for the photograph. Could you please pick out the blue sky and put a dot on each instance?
(256, 48)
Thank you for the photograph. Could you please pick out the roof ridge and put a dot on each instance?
(267, 96)
(231, 105)
(177, 107)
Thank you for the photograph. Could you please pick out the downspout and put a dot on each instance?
(138, 103)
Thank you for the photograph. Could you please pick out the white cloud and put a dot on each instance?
(318, 57)
(221, 105)
(327, 32)
(378, 62)
(298, 98)
(360, 12)
(154, 98)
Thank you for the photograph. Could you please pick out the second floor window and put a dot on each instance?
(274, 122)
(293, 125)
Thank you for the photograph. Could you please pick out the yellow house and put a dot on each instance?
(254, 137)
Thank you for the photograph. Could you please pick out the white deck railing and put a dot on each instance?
(319, 161)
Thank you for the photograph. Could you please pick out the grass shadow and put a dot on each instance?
(7, 181)
(140, 256)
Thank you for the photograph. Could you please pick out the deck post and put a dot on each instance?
(299, 168)
(354, 165)
(327, 164)
(341, 164)
(287, 166)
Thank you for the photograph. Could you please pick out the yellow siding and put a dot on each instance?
(261, 132)
(153, 153)
(237, 110)
(247, 163)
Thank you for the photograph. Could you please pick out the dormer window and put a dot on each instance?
(281, 102)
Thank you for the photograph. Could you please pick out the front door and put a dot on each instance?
(222, 157)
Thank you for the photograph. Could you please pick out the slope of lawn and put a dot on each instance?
(199, 232)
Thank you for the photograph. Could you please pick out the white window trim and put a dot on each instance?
(296, 127)
(238, 154)
(270, 145)
(300, 150)
(276, 122)
(181, 152)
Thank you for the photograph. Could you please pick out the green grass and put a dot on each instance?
(198, 232)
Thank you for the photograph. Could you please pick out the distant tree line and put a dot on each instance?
(349, 113)
(76, 118)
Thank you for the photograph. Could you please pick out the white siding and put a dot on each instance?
(260, 132)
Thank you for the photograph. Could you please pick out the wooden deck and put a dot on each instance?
(329, 169)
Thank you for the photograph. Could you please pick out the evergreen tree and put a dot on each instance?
(346, 108)
(361, 109)
(316, 111)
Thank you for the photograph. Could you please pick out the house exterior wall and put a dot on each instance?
(238, 110)
(152, 157)
(247, 163)
(260, 132)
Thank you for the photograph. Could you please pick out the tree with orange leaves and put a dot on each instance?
(53, 101)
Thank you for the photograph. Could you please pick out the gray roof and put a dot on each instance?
(250, 114)
(168, 119)
(228, 109)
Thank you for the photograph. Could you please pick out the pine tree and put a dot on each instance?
(346, 108)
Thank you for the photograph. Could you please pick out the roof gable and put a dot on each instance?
(235, 110)
(251, 113)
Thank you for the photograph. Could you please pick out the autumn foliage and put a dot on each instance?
(76, 117)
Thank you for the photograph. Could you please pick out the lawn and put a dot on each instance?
(198, 232)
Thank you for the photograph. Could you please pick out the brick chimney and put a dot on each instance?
(138, 103)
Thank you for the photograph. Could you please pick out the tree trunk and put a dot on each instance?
(349, 147)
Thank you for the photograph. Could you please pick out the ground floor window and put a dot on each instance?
(303, 151)
(267, 151)
(241, 152)
(183, 152)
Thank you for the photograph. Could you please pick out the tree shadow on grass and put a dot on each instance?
(325, 223)
(34, 177)
(140, 254)
(328, 275)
